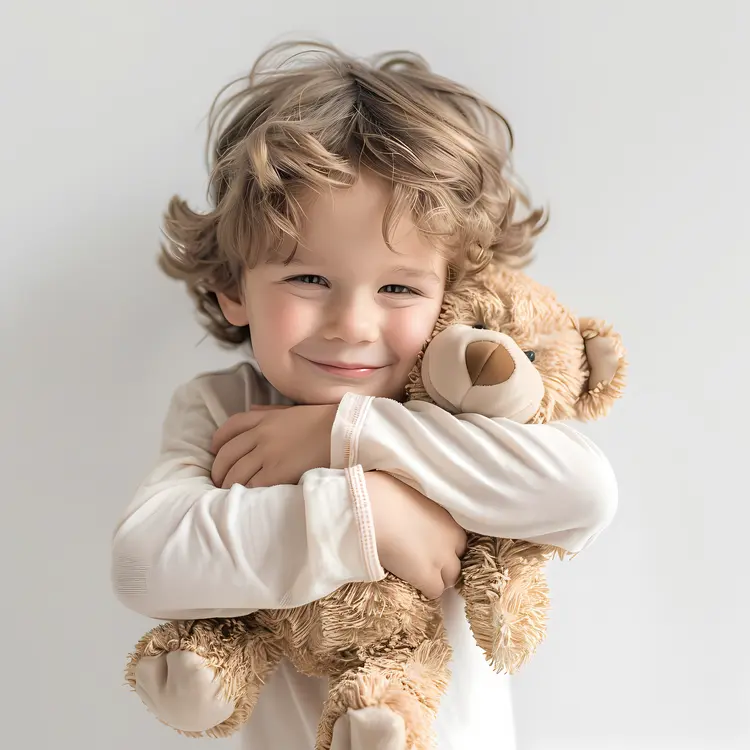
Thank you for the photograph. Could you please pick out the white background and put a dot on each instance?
(632, 123)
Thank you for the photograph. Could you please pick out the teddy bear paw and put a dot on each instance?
(370, 728)
(181, 690)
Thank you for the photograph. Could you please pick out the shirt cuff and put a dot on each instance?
(347, 426)
(363, 517)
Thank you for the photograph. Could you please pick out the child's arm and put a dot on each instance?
(542, 483)
(185, 549)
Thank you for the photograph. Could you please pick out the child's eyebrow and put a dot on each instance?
(278, 260)
(416, 273)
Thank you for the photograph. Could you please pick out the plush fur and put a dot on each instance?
(384, 644)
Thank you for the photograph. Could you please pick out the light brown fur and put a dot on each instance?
(384, 644)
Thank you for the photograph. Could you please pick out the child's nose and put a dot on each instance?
(354, 321)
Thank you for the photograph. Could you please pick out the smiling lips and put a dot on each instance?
(344, 369)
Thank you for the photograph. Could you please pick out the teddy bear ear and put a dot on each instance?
(605, 355)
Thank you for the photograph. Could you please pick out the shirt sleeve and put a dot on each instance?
(185, 549)
(542, 483)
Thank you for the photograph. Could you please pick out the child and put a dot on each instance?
(346, 197)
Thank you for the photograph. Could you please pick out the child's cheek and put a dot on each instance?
(291, 319)
(409, 328)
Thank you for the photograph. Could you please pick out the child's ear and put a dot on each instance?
(605, 355)
(233, 309)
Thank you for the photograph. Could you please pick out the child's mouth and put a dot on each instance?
(345, 370)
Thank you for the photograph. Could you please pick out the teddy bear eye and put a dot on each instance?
(479, 326)
(531, 355)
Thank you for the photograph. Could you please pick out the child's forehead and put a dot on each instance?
(369, 193)
(355, 215)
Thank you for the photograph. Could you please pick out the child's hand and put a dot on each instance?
(271, 445)
(417, 540)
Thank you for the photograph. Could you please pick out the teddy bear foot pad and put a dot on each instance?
(179, 689)
(370, 728)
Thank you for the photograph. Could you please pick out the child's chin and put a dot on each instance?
(334, 394)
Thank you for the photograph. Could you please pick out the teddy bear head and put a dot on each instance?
(504, 346)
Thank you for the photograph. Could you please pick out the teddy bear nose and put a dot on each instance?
(488, 363)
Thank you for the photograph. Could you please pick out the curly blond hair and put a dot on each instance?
(309, 116)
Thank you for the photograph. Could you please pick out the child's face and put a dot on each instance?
(346, 299)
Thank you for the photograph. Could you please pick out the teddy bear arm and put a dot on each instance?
(504, 586)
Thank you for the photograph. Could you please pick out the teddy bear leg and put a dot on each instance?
(203, 677)
(389, 703)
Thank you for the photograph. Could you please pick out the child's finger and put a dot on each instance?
(234, 426)
(239, 423)
(229, 454)
(243, 471)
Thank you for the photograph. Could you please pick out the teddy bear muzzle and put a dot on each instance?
(465, 370)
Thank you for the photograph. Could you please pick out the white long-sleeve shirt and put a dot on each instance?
(185, 549)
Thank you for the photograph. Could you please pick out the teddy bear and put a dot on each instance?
(503, 346)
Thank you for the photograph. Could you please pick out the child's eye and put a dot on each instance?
(397, 289)
(309, 278)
